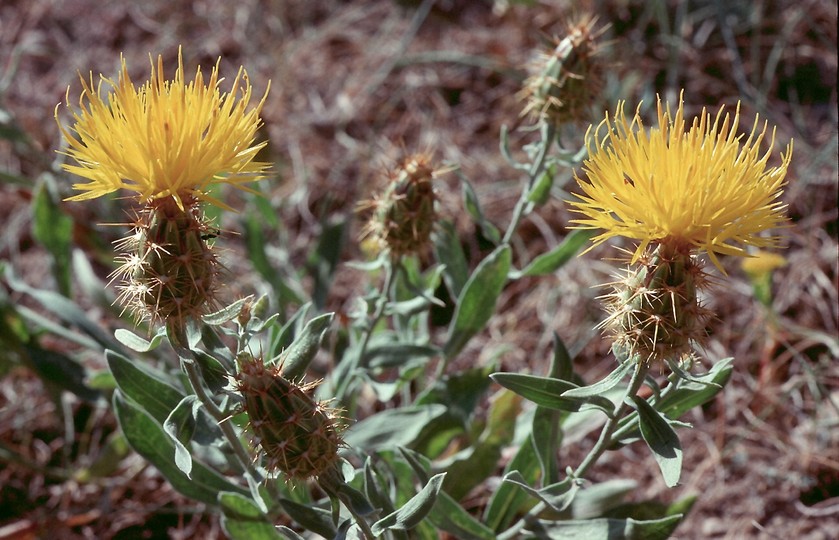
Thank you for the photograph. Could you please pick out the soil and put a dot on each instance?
(354, 85)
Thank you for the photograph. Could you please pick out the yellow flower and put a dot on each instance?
(164, 138)
(703, 189)
(762, 262)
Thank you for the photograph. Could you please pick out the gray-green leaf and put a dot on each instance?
(148, 439)
(476, 303)
(296, 359)
(392, 427)
(415, 510)
(180, 426)
(662, 440)
(549, 262)
(243, 520)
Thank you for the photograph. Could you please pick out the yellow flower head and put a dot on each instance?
(703, 189)
(762, 262)
(164, 138)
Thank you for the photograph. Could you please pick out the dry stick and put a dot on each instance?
(378, 78)
(600, 446)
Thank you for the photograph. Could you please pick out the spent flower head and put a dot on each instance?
(704, 189)
(164, 138)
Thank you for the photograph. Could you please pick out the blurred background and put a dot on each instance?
(353, 86)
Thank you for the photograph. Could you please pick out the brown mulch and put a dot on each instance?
(352, 85)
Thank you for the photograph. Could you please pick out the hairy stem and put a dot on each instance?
(381, 304)
(603, 442)
(220, 418)
(536, 169)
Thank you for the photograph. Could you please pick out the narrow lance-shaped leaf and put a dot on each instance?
(283, 338)
(685, 396)
(64, 308)
(243, 520)
(227, 313)
(373, 488)
(311, 518)
(473, 206)
(148, 439)
(558, 495)
(296, 359)
(662, 440)
(550, 393)
(546, 435)
(447, 515)
(597, 499)
(607, 383)
(396, 354)
(508, 500)
(180, 426)
(541, 190)
(58, 371)
(415, 510)
(137, 343)
(658, 529)
(544, 391)
(148, 389)
(53, 229)
(212, 371)
(476, 303)
(144, 386)
(392, 427)
(449, 252)
(325, 257)
(547, 263)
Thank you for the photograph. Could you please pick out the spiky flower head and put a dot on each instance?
(704, 189)
(298, 435)
(164, 138)
(403, 215)
(654, 311)
(168, 271)
(565, 81)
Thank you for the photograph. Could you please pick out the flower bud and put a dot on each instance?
(297, 435)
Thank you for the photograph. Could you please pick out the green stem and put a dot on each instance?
(220, 417)
(620, 432)
(381, 304)
(331, 482)
(359, 520)
(608, 430)
(178, 340)
(536, 169)
(603, 442)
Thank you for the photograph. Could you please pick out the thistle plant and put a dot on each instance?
(169, 142)
(392, 440)
(678, 194)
